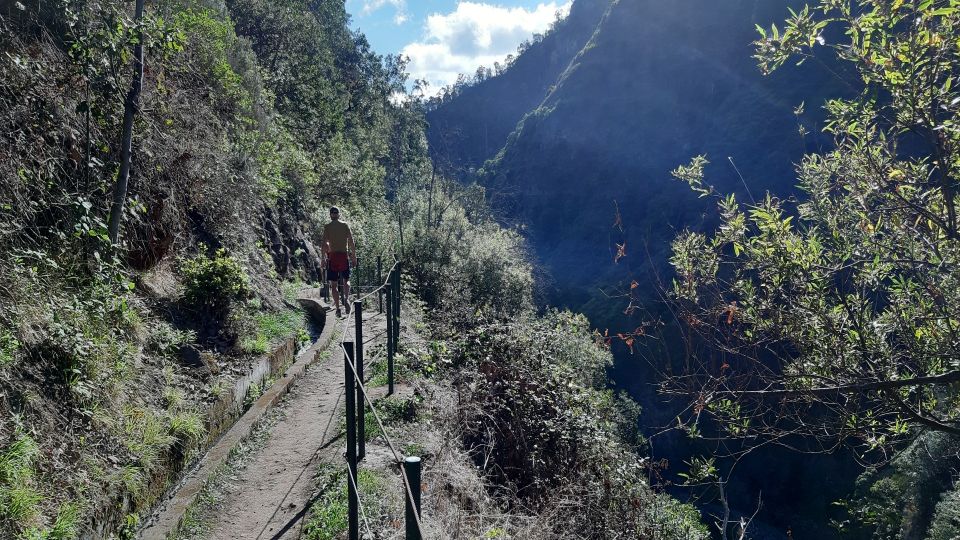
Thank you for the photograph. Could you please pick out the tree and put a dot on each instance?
(836, 319)
(130, 107)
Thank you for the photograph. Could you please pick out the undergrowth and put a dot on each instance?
(268, 328)
(328, 514)
(21, 495)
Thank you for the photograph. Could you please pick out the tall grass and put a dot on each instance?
(269, 328)
(328, 515)
(19, 497)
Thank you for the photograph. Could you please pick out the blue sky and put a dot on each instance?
(445, 37)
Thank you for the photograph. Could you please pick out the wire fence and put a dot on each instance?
(353, 375)
(389, 295)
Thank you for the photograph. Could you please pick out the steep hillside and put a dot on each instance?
(652, 88)
(589, 169)
(117, 358)
(126, 351)
(467, 130)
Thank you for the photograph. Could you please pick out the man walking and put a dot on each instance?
(340, 253)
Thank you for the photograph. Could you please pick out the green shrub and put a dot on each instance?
(946, 520)
(253, 393)
(903, 495)
(547, 431)
(673, 520)
(466, 262)
(212, 40)
(213, 284)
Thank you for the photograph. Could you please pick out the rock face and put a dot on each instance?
(291, 249)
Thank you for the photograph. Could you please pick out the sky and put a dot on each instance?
(443, 38)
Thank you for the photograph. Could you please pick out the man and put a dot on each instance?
(340, 253)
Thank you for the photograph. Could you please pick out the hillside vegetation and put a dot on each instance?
(807, 321)
(253, 117)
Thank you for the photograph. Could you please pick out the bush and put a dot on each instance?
(466, 262)
(903, 496)
(550, 435)
(946, 520)
(212, 285)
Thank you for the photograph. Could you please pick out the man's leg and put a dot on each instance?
(334, 289)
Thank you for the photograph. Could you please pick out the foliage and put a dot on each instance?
(901, 499)
(328, 515)
(255, 116)
(268, 328)
(837, 319)
(166, 340)
(213, 284)
(672, 519)
(466, 262)
(542, 426)
(946, 522)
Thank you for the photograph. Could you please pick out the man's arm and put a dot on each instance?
(352, 247)
(324, 249)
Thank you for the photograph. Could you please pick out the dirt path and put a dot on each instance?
(277, 481)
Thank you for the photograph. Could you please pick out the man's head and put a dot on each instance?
(334, 213)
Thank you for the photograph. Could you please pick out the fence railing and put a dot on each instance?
(358, 400)
(389, 294)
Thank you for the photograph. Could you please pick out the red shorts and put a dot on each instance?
(338, 261)
(338, 266)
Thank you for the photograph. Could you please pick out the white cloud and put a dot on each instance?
(399, 6)
(475, 34)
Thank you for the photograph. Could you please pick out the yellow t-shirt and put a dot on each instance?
(336, 234)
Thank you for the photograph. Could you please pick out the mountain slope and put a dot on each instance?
(469, 129)
(655, 85)
(652, 87)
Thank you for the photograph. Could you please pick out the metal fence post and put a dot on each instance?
(389, 294)
(396, 308)
(393, 308)
(380, 282)
(361, 402)
(359, 287)
(411, 466)
(353, 498)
